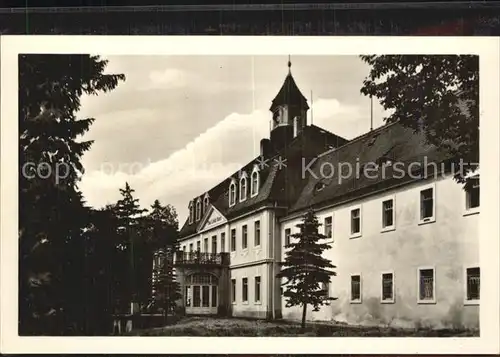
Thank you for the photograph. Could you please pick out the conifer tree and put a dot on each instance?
(52, 216)
(305, 270)
(130, 223)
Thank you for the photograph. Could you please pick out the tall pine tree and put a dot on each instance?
(305, 270)
(52, 216)
(130, 229)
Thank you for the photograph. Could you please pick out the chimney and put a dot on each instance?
(265, 147)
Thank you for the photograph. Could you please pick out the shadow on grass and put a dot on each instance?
(198, 326)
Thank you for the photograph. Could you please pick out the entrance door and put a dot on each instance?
(204, 299)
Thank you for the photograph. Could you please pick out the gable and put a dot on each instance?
(213, 218)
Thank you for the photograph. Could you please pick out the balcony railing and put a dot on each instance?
(183, 258)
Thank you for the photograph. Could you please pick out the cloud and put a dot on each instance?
(169, 78)
(210, 158)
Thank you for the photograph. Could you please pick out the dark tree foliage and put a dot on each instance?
(163, 234)
(436, 94)
(54, 245)
(305, 270)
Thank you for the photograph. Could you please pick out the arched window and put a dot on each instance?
(198, 209)
(232, 193)
(243, 188)
(191, 212)
(205, 203)
(254, 184)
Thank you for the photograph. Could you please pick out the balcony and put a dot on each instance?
(199, 258)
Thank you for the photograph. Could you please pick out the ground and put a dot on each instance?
(208, 326)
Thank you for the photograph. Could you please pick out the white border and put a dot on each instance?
(487, 48)
(393, 226)
(360, 233)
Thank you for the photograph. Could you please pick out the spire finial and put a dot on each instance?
(289, 64)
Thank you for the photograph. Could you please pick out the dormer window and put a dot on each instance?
(198, 210)
(254, 184)
(243, 187)
(191, 212)
(232, 193)
(205, 203)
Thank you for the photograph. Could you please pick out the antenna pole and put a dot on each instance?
(311, 107)
(371, 113)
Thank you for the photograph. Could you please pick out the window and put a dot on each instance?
(205, 245)
(244, 289)
(205, 204)
(191, 247)
(387, 287)
(427, 205)
(254, 183)
(257, 289)
(205, 295)
(214, 295)
(232, 194)
(198, 210)
(388, 214)
(183, 248)
(243, 188)
(196, 296)
(355, 288)
(198, 246)
(233, 290)
(257, 233)
(244, 237)
(287, 236)
(356, 221)
(328, 227)
(426, 285)
(223, 242)
(472, 194)
(233, 240)
(325, 289)
(214, 244)
(191, 212)
(472, 284)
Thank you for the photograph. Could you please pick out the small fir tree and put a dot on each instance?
(167, 289)
(305, 269)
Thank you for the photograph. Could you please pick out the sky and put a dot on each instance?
(179, 125)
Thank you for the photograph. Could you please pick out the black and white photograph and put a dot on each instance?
(251, 192)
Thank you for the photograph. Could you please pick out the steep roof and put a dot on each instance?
(277, 184)
(289, 94)
(392, 142)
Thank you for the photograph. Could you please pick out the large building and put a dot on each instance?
(405, 245)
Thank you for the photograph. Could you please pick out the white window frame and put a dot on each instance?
(419, 201)
(255, 231)
(387, 301)
(232, 197)
(360, 233)
(257, 302)
(393, 226)
(331, 227)
(244, 302)
(475, 301)
(191, 212)
(284, 237)
(434, 292)
(255, 171)
(206, 202)
(244, 228)
(243, 184)
(474, 210)
(360, 300)
(198, 210)
(234, 298)
(231, 240)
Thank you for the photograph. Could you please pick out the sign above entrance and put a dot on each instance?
(212, 219)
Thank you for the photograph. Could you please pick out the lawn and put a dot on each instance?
(208, 326)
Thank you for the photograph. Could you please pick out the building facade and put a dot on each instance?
(404, 237)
